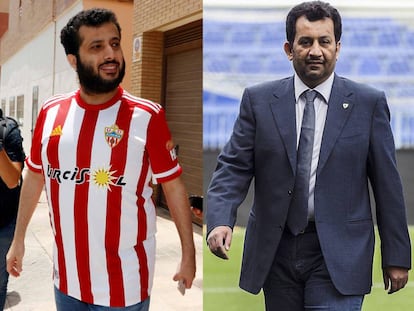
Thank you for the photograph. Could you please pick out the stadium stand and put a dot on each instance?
(376, 51)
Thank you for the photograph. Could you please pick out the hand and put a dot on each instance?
(395, 278)
(186, 272)
(219, 241)
(14, 258)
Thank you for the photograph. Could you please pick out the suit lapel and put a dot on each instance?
(339, 109)
(283, 110)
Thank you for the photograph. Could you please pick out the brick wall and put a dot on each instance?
(151, 18)
(151, 14)
(151, 67)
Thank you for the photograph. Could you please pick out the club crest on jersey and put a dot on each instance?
(113, 135)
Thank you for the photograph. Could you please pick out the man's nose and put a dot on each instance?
(109, 52)
(315, 49)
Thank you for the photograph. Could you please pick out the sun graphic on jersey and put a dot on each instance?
(103, 178)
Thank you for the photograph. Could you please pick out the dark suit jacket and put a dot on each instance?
(357, 147)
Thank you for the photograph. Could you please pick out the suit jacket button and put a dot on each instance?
(290, 192)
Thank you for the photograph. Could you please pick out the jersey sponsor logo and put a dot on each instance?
(104, 178)
(57, 131)
(172, 149)
(113, 135)
(101, 177)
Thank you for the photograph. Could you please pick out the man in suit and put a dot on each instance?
(324, 262)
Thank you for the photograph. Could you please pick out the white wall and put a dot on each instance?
(29, 67)
(42, 62)
(65, 76)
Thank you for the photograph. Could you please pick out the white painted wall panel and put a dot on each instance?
(42, 62)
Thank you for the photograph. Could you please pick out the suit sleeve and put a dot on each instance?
(235, 168)
(388, 191)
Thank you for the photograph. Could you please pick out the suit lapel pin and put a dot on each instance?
(345, 105)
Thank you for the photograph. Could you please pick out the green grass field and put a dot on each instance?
(221, 291)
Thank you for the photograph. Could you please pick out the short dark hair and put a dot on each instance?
(69, 36)
(314, 11)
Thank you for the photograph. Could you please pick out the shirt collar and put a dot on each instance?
(324, 88)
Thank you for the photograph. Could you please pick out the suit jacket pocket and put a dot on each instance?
(358, 228)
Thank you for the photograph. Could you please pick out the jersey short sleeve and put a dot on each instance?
(34, 160)
(161, 150)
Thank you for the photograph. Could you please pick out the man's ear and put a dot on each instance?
(288, 50)
(72, 60)
(338, 49)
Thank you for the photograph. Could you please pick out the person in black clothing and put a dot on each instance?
(11, 165)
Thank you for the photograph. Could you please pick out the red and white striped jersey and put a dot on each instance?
(98, 162)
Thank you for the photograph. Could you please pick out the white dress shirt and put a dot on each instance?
(321, 109)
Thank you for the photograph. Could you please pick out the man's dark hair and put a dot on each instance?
(314, 11)
(69, 36)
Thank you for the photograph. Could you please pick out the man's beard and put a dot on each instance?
(92, 83)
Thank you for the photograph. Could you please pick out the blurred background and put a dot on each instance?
(243, 45)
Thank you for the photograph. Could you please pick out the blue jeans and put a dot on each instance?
(67, 303)
(299, 279)
(6, 237)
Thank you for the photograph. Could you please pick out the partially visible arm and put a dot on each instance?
(29, 196)
(219, 241)
(231, 180)
(11, 157)
(395, 278)
(389, 199)
(9, 171)
(179, 206)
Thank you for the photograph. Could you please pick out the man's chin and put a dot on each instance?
(101, 89)
(109, 77)
(313, 79)
(315, 68)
